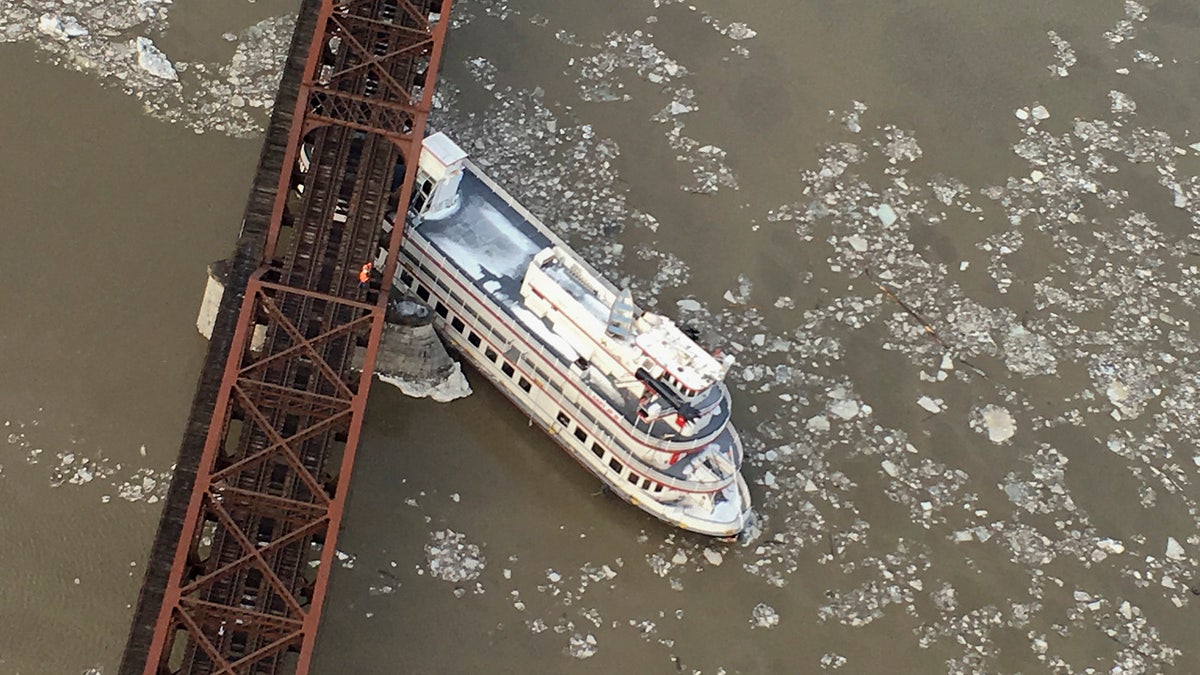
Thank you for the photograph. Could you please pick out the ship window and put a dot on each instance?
(406, 278)
(457, 324)
(542, 374)
(474, 339)
(633, 478)
(524, 384)
(658, 487)
(485, 324)
(471, 311)
(563, 419)
(597, 450)
(440, 284)
(454, 297)
(422, 292)
(441, 310)
(425, 269)
(581, 434)
(615, 465)
(490, 354)
(508, 369)
(645, 483)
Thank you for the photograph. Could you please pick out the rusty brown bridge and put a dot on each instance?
(241, 560)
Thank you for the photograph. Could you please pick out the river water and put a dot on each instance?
(951, 243)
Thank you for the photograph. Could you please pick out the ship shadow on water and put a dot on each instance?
(486, 449)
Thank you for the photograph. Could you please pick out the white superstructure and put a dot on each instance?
(631, 397)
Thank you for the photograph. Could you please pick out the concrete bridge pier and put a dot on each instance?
(411, 356)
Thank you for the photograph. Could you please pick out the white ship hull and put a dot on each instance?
(447, 264)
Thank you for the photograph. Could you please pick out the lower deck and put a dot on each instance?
(721, 512)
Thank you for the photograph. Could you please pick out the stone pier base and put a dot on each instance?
(412, 358)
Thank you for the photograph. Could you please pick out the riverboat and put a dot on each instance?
(624, 391)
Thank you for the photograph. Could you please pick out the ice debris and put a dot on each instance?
(152, 60)
(452, 558)
(582, 646)
(1174, 549)
(997, 422)
(764, 616)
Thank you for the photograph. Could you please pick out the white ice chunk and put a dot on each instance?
(764, 616)
(845, 409)
(152, 60)
(1121, 102)
(999, 423)
(887, 215)
(929, 404)
(61, 28)
(454, 386)
(740, 31)
(583, 647)
(1174, 549)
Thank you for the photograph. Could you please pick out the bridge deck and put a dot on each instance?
(245, 544)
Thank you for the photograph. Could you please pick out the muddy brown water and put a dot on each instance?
(109, 217)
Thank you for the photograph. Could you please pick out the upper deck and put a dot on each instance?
(493, 241)
(487, 238)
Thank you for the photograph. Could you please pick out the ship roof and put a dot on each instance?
(486, 237)
(493, 241)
